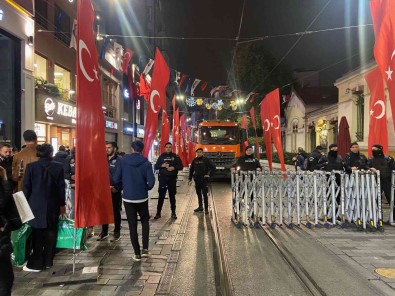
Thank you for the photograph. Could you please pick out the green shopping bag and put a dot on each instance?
(19, 240)
(66, 235)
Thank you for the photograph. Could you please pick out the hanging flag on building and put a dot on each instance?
(252, 114)
(165, 131)
(93, 203)
(265, 121)
(378, 128)
(148, 67)
(145, 88)
(194, 85)
(383, 16)
(157, 99)
(73, 39)
(126, 59)
(118, 56)
(103, 47)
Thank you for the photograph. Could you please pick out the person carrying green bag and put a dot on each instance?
(44, 188)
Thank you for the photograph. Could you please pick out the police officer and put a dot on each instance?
(385, 164)
(168, 165)
(313, 158)
(332, 161)
(201, 170)
(113, 161)
(247, 162)
(355, 160)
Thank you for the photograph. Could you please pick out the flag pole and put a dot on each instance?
(75, 245)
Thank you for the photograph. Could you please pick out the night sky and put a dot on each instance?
(210, 60)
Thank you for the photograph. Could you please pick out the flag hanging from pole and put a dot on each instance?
(165, 131)
(157, 100)
(267, 133)
(378, 129)
(73, 39)
(93, 203)
(126, 59)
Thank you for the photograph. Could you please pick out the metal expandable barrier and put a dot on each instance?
(308, 198)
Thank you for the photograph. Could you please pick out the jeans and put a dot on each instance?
(132, 209)
(44, 246)
(167, 185)
(116, 198)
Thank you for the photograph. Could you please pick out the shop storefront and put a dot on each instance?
(16, 63)
(111, 130)
(55, 121)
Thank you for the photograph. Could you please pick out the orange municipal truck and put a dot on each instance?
(221, 142)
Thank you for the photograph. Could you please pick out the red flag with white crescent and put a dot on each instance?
(378, 129)
(273, 105)
(267, 132)
(165, 131)
(157, 100)
(126, 59)
(383, 16)
(93, 203)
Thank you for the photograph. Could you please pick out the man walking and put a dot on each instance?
(113, 161)
(23, 158)
(61, 155)
(135, 176)
(201, 170)
(168, 165)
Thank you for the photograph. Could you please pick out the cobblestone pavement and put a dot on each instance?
(118, 273)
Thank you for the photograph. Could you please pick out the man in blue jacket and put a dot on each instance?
(136, 177)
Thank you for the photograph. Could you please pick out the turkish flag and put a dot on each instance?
(157, 100)
(174, 132)
(165, 132)
(378, 129)
(252, 114)
(267, 132)
(126, 59)
(273, 105)
(93, 203)
(145, 88)
(383, 16)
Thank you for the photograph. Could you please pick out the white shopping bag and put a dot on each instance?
(23, 207)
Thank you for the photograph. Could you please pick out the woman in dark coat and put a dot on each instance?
(9, 220)
(44, 188)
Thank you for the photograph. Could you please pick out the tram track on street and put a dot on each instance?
(307, 281)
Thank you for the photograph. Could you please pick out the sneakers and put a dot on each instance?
(173, 215)
(25, 268)
(157, 216)
(198, 210)
(137, 257)
(102, 236)
(117, 237)
(90, 231)
(145, 253)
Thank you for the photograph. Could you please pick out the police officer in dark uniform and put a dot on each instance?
(113, 161)
(201, 170)
(313, 158)
(385, 164)
(355, 160)
(168, 165)
(248, 162)
(332, 161)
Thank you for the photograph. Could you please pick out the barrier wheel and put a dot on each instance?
(308, 225)
(326, 225)
(290, 226)
(316, 225)
(273, 225)
(343, 224)
(256, 224)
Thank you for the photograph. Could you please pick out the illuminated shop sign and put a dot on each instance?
(111, 124)
(51, 109)
(140, 131)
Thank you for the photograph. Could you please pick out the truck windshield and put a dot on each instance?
(218, 135)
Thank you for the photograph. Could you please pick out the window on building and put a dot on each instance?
(360, 103)
(41, 13)
(109, 96)
(40, 67)
(62, 79)
(62, 26)
(294, 134)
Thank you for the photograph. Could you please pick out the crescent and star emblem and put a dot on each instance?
(278, 122)
(389, 71)
(381, 115)
(266, 128)
(81, 46)
(151, 99)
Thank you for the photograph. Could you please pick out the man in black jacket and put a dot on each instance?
(313, 158)
(385, 164)
(247, 162)
(113, 162)
(355, 160)
(61, 155)
(201, 170)
(168, 165)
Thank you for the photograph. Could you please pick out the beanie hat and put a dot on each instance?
(378, 146)
(248, 147)
(354, 143)
(332, 146)
(319, 147)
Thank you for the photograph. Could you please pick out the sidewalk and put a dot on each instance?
(117, 273)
